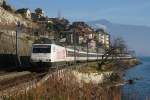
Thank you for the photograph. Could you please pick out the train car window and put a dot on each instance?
(42, 50)
(70, 53)
(93, 55)
(82, 55)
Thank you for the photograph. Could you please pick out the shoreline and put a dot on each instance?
(107, 78)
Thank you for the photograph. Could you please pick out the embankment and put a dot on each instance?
(110, 73)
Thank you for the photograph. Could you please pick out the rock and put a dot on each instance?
(130, 81)
(95, 78)
(10, 19)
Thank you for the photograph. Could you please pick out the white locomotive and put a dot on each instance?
(53, 55)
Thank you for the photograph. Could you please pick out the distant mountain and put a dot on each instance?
(136, 36)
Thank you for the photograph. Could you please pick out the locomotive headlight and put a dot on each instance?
(48, 60)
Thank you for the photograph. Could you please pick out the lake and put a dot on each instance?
(140, 89)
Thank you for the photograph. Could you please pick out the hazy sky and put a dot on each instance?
(134, 12)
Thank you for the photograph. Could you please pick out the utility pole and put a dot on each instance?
(87, 46)
(97, 50)
(17, 54)
(74, 42)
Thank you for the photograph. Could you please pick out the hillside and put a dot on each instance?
(134, 35)
(10, 19)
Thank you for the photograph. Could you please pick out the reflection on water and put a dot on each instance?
(140, 90)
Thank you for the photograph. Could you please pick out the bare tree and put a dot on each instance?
(118, 48)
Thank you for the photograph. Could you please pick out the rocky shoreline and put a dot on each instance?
(113, 76)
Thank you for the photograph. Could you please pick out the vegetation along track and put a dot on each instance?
(9, 83)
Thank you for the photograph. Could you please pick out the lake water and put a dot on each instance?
(140, 90)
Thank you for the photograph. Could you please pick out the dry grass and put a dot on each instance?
(64, 87)
(93, 68)
(89, 68)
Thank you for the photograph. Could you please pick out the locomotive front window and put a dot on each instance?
(42, 50)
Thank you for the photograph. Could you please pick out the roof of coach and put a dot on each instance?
(40, 44)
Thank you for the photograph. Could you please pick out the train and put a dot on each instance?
(53, 55)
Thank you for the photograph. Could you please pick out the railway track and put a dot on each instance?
(8, 83)
(9, 75)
